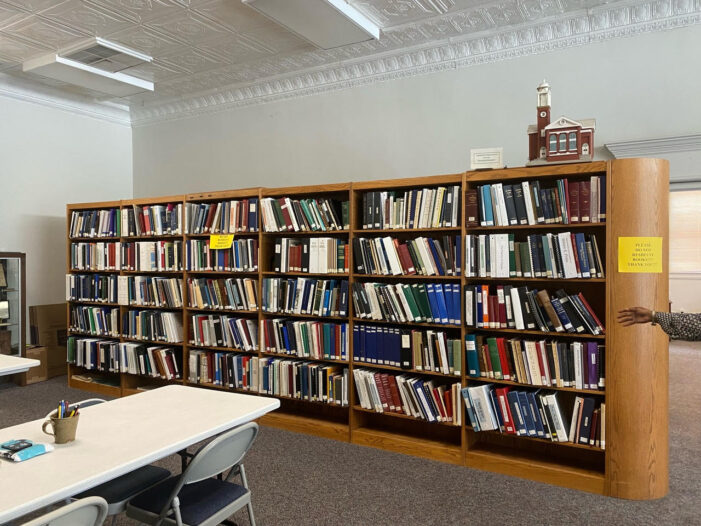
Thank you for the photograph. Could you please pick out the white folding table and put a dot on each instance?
(16, 364)
(117, 437)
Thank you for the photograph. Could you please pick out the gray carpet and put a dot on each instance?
(302, 480)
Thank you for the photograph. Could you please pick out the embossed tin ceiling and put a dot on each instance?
(223, 50)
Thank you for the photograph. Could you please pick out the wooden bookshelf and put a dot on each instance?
(634, 464)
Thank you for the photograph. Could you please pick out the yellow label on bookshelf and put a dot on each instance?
(640, 254)
(220, 241)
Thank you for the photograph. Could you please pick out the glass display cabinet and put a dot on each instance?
(13, 309)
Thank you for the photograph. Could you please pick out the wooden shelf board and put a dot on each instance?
(327, 275)
(229, 273)
(438, 229)
(307, 425)
(72, 332)
(152, 342)
(405, 417)
(539, 280)
(152, 272)
(95, 303)
(220, 311)
(305, 358)
(94, 387)
(406, 276)
(78, 271)
(153, 307)
(548, 387)
(155, 237)
(357, 363)
(550, 334)
(408, 445)
(96, 238)
(408, 182)
(534, 467)
(572, 445)
(538, 172)
(206, 235)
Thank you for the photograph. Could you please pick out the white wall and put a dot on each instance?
(48, 158)
(636, 88)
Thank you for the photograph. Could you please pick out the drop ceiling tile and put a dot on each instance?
(44, 33)
(277, 39)
(232, 14)
(156, 71)
(236, 49)
(191, 60)
(18, 50)
(189, 27)
(10, 14)
(88, 17)
(142, 10)
(34, 5)
(146, 40)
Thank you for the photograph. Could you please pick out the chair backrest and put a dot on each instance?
(225, 451)
(84, 403)
(90, 511)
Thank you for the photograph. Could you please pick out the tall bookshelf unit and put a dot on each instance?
(634, 464)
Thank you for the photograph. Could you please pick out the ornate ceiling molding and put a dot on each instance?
(652, 147)
(574, 29)
(28, 91)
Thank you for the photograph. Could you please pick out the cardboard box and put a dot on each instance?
(38, 373)
(48, 328)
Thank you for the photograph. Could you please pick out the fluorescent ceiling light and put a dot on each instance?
(96, 64)
(325, 23)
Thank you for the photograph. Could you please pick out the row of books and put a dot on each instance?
(132, 358)
(152, 256)
(92, 287)
(242, 256)
(153, 291)
(535, 414)
(223, 217)
(227, 369)
(437, 207)
(98, 255)
(306, 339)
(563, 255)
(98, 321)
(527, 203)
(316, 297)
(316, 255)
(420, 350)
(152, 220)
(95, 223)
(223, 293)
(401, 302)
(153, 325)
(424, 256)
(313, 382)
(580, 365)
(220, 330)
(523, 309)
(408, 395)
(304, 215)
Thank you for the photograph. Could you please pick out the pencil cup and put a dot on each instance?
(64, 428)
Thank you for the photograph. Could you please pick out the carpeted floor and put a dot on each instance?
(302, 480)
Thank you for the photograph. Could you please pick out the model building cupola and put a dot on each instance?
(544, 94)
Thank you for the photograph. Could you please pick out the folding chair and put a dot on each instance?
(195, 498)
(85, 512)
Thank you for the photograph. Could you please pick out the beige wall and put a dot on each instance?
(685, 250)
(49, 157)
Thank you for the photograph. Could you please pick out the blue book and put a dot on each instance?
(488, 215)
(286, 339)
(519, 422)
(469, 406)
(436, 259)
(496, 407)
(441, 302)
(306, 294)
(455, 316)
(397, 346)
(478, 307)
(473, 368)
(343, 303)
(412, 210)
(326, 308)
(356, 343)
(526, 413)
(562, 314)
(253, 214)
(344, 334)
(433, 304)
(535, 415)
(584, 265)
(418, 387)
(371, 344)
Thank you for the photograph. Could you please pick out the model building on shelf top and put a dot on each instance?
(563, 140)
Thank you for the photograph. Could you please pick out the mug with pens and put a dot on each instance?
(64, 422)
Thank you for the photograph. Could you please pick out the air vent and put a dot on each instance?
(96, 64)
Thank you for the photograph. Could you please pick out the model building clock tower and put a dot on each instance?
(564, 140)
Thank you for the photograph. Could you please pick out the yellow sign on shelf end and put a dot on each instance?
(640, 254)
(220, 241)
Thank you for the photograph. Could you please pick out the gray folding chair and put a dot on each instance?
(196, 498)
(117, 492)
(85, 512)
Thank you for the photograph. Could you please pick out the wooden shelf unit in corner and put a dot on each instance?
(634, 464)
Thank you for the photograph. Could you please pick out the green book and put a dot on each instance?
(414, 254)
(345, 214)
(423, 303)
(494, 358)
(70, 350)
(277, 211)
(308, 214)
(91, 320)
(326, 328)
(546, 252)
(306, 350)
(525, 260)
(411, 300)
(457, 358)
